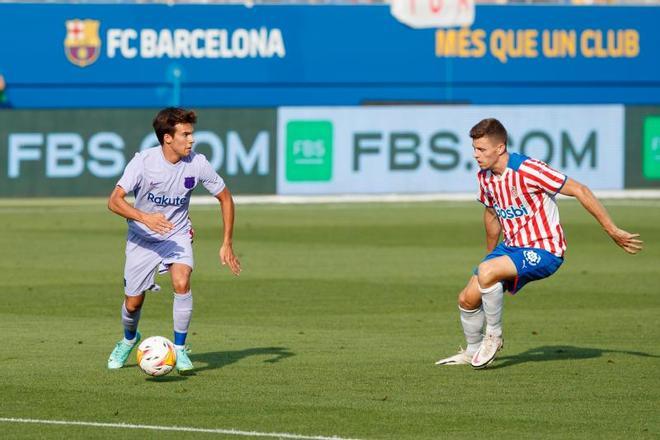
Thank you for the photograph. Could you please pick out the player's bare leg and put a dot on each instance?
(182, 313)
(472, 321)
(491, 273)
(133, 304)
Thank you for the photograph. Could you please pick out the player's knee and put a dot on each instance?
(133, 304)
(133, 308)
(466, 302)
(469, 298)
(181, 285)
(486, 275)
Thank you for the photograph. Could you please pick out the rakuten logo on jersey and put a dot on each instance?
(166, 201)
(512, 212)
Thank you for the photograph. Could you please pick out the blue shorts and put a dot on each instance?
(532, 264)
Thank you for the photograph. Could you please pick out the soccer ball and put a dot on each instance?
(156, 356)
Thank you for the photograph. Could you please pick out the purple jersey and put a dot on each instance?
(161, 186)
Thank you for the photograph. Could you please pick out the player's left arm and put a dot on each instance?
(626, 240)
(227, 256)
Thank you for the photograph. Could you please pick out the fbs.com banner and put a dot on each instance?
(84, 152)
(360, 150)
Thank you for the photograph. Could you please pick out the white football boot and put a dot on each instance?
(487, 351)
(461, 358)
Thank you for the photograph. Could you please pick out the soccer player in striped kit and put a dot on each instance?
(518, 193)
(159, 230)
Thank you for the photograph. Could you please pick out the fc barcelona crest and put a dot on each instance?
(82, 44)
(189, 182)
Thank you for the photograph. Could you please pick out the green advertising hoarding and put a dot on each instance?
(309, 151)
(84, 152)
(642, 147)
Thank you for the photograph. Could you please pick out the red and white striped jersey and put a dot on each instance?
(524, 199)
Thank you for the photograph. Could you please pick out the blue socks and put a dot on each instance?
(181, 313)
(180, 338)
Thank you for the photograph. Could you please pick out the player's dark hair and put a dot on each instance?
(167, 118)
(490, 127)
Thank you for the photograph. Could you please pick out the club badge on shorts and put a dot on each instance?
(532, 257)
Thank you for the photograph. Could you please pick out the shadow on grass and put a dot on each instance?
(219, 359)
(168, 378)
(558, 353)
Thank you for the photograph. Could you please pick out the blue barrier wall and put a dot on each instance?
(264, 56)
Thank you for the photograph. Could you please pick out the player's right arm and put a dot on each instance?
(627, 241)
(155, 221)
(493, 228)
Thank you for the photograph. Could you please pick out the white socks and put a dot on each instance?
(492, 299)
(473, 324)
(182, 311)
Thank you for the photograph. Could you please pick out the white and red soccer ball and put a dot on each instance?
(156, 356)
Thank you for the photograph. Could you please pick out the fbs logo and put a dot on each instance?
(82, 44)
(651, 164)
(308, 151)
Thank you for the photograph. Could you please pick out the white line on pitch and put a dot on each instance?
(172, 428)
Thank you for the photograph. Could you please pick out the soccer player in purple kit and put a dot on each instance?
(162, 179)
(518, 193)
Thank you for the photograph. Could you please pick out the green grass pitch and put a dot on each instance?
(333, 327)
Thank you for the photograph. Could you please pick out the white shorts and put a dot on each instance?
(144, 256)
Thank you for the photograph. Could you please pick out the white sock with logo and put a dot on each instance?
(473, 325)
(492, 299)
